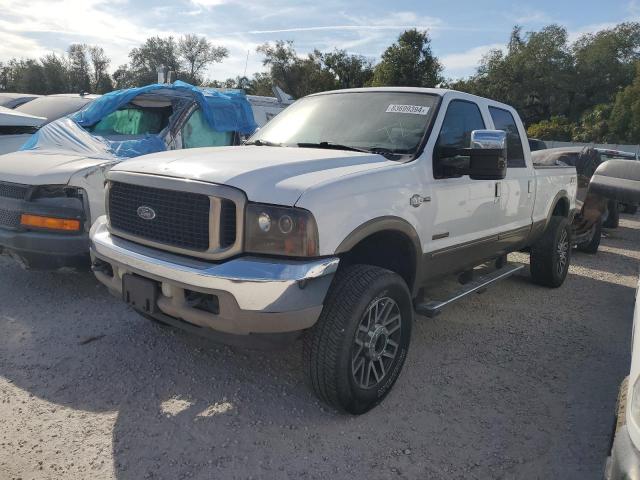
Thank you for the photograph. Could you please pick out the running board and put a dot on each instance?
(434, 307)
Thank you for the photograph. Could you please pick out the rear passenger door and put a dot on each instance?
(515, 198)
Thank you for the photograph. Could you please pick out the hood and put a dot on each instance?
(42, 167)
(13, 118)
(277, 175)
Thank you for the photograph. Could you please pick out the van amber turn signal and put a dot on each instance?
(50, 223)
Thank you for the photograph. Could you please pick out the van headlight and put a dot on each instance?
(276, 230)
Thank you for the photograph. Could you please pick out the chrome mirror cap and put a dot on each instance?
(489, 139)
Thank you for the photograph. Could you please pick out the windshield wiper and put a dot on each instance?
(385, 152)
(332, 146)
(263, 143)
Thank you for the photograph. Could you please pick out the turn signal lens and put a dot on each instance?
(50, 223)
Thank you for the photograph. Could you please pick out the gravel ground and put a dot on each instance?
(519, 382)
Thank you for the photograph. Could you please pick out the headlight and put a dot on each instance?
(280, 231)
(56, 191)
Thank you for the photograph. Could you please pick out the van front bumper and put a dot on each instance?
(45, 250)
(251, 294)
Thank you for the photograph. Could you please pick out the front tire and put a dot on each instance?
(551, 255)
(356, 350)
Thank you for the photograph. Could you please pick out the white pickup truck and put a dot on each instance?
(335, 219)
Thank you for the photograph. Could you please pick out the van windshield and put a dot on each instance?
(393, 122)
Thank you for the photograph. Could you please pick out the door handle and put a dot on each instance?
(498, 190)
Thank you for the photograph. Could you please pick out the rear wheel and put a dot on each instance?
(592, 245)
(356, 350)
(631, 209)
(551, 254)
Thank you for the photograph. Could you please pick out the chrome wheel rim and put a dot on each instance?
(376, 342)
(563, 252)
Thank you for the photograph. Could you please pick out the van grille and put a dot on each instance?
(181, 219)
(13, 190)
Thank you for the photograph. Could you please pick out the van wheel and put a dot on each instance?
(613, 220)
(592, 245)
(354, 353)
(550, 255)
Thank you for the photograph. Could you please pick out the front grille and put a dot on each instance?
(9, 218)
(13, 190)
(181, 218)
(227, 223)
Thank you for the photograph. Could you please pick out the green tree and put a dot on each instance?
(197, 53)
(624, 122)
(100, 79)
(79, 68)
(350, 71)
(557, 128)
(295, 75)
(55, 73)
(409, 62)
(144, 60)
(536, 74)
(594, 125)
(605, 62)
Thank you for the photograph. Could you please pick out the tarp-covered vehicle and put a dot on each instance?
(16, 128)
(53, 189)
(602, 184)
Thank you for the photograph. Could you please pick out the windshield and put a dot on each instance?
(389, 121)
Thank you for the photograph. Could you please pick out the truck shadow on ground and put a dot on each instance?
(520, 381)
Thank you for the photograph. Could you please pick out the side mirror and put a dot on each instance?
(488, 155)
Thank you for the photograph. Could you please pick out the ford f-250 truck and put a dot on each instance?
(334, 219)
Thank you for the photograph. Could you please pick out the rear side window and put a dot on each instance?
(503, 120)
(461, 119)
(197, 133)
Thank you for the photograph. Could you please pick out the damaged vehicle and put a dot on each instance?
(53, 189)
(602, 185)
(16, 128)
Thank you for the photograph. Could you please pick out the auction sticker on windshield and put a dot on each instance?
(413, 109)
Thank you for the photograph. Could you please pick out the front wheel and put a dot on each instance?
(551, 254)
(356, 350)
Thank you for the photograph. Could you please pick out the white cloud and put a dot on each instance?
(463, 63)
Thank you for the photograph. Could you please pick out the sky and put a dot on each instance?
(461, 30)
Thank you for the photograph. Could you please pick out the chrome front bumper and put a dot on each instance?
(255, 295)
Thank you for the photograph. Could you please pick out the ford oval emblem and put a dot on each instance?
(146, 213)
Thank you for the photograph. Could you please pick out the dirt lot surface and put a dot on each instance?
(519, 382)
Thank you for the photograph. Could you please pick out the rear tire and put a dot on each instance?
(354, 353)
(613, 220)
(631, 209)
(551, 255)
(592, 245)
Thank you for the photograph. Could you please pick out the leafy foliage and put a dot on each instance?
(409, 62)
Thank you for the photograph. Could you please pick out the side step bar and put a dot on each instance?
(432, 308)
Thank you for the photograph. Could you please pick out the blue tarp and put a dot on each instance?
(224, 112)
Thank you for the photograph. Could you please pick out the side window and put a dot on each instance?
(196, 132)
(461, 119)
(503, 120)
